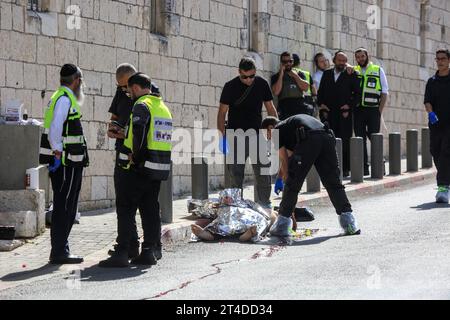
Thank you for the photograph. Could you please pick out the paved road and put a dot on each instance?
(403, 253)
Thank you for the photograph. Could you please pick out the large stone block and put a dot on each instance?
(25, 210)
(19, 156)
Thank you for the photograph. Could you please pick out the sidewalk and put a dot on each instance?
(97, 231)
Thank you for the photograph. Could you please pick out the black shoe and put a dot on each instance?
(158, 252)
(146, 258)
(117, 260)
(70, 259)
(132, 253)
(346, 174)
(366, 172)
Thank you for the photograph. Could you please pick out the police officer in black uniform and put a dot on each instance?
(120, 110)
(304, 141)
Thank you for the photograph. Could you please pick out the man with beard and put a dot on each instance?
(290, 87)
(339, 94)
(64, 148)
(375, 89)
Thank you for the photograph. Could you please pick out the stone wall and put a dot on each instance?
(203, 43)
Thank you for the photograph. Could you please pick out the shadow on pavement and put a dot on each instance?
(317, 240)
(96, 274)
(431, 206)
(29, 274)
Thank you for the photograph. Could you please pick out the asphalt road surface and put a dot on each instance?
(402, 253)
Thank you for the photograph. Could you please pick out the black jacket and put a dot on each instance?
(346, 90)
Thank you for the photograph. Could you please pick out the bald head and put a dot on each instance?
(123, 73)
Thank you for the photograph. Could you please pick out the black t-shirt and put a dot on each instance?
(287, 129)
(121, 106)
(438, 95)
(246, 115)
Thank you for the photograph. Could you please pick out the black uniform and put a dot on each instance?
(312, 144)
(438, 95)
(335, 94)
(121, 107)
(137, 191)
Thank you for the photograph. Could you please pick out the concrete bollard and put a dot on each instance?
(357, 159)
(340, 157)
(166, 199)
(313, 181)
(199, 178)
(412, 150)
(427, 159)
(377, 158)
(395, 153)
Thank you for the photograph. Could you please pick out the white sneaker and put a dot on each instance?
(281, 227)
(348, 223)
(443, 195)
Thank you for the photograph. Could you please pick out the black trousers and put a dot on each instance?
(367, 121)
(118, 181)
(342, 128)
(66, 185)
(440, 150)
(137, 191)
(319, 149)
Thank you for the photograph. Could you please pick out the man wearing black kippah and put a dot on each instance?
(64, 149)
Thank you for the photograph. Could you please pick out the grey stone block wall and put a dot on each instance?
(204, 42)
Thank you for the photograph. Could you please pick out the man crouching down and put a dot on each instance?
(304, 142)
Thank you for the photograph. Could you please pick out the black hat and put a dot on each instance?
(69, 70)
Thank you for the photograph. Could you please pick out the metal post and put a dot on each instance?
(313, 181)
(166, 199)
(340, 157)
(376, 156)
(427, 159)
(357, 159)
(395, 154)
(199, 178)
(412, 150)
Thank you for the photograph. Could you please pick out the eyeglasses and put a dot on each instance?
(244, 77)
(287, 61)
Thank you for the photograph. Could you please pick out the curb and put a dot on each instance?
(181, 231)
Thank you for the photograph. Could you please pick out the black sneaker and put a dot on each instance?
(117, 260)
(146, 258)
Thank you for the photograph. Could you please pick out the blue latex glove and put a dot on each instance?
(55, 166)
(433, 118)
(223, 145)
(279, 186)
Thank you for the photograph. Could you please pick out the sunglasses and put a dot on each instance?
(243, 77)
(287, 61)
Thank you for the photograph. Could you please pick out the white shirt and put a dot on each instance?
(337, 74)
(383, 79)
(59, 117)
(317, 78)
